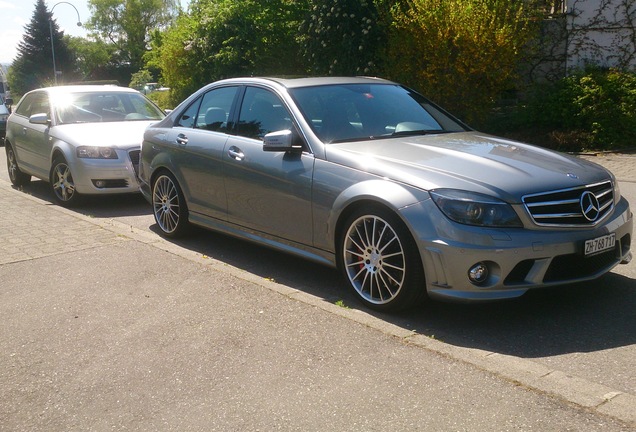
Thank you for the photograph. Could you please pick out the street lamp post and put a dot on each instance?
(79, 24)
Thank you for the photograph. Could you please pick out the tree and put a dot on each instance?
(96, 59)
(127, 24)
(342, 37)
(461, 53)
(140, 78)
(228, 38)
(33, 66)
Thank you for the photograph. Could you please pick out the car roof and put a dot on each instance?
(87, 89)
(319, 81)
(291, 83)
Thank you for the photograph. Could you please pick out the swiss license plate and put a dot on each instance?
(600, 244)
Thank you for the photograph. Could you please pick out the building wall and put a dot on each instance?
(601, 32)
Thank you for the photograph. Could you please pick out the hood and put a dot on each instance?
(468, 161)
(111, 134)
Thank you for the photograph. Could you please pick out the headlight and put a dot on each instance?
(617, 192)
(471, 208)
(93, 152)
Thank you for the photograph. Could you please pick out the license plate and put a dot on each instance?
(600, 244)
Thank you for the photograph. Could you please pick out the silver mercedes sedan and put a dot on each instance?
(80, 139)
(369, 176)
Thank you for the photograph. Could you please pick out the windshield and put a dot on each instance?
(104, 107)
(350, 112)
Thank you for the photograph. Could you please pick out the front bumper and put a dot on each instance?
(517, 259)
(107, 176)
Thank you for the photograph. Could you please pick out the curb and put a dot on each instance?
(526, 373)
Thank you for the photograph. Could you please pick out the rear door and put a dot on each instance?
(197, 142)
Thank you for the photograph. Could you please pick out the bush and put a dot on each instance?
(162, 99)
(592, 109)
(460, 53)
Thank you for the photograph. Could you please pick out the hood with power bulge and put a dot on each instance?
(468, 161)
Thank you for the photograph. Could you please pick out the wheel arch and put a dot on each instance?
(383, 194)
(63, 149)
(413, 290)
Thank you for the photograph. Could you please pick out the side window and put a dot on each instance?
(262, 112)
(34, 103)
(215, 109)
(189, 115)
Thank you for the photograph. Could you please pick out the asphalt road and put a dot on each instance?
(586, 331)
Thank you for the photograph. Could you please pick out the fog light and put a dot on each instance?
(478, 273)
(100, 183)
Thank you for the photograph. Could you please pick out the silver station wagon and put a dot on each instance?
(368, 176)
(80, 139)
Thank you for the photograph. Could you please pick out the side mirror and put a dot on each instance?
(40, 118)
(8, 101)
(280, 141)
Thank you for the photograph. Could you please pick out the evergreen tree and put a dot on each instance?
(33, 66)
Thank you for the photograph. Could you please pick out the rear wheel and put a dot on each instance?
(17, 177)
(380, 260)
(62, 184)
(169, 207)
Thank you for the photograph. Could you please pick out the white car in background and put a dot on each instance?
(80, 139)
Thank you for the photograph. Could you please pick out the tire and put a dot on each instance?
(17, 177)
(62, 184)
(380, 260)
(169, 206)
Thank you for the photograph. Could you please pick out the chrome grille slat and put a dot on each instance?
(553, 203)
(563, 207)
(557, 215)
(604, 206)
(602, 194)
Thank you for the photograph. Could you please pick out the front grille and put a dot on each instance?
(134, 158)
(587, 205)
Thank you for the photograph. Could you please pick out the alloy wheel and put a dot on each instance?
(374, 259)
(62, 182)
(166, 203)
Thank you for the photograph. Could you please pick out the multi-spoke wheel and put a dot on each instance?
(62, 184)
(380, 260)
(17, 177)
(169, 207)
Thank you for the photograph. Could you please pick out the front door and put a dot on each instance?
(267, 191)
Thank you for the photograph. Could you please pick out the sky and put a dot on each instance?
(16, 14)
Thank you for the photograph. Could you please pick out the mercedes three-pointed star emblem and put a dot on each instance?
(590, 206)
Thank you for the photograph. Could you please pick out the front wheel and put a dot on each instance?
(380, 260)
(62, 184)
(169, 207)
(17, 177)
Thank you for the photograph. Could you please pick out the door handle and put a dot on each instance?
(182, 139)
(24, 131)
(236, 153)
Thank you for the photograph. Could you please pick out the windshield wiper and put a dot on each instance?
(419, 132)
